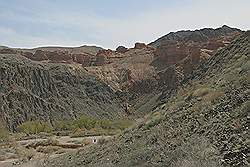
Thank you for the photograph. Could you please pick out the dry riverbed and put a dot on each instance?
(32, 152)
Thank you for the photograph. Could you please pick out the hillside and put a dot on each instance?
(204, 123)
(63, 82)
(185, 99)
(48, 92)
(197, 35)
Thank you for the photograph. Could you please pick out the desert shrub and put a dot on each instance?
(78, 133)
(122, 124)
(90, 123)
(153, 120)
(88, 126)
(48, 149)
(85, 122)
(104, 124)
(4, 134)
(24, 153)
(63, 125)
(34, 127)
(19, 136)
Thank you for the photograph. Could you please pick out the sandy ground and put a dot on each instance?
(39, 158)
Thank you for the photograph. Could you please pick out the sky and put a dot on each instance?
(110, 23)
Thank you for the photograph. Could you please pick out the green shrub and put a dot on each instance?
(34, 127)
(153, 120)
(87, 126)
(63, 125)
(104, 124)
(84, 122)
(122, 124)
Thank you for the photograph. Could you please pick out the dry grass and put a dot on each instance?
(24, 153)
(48, 149)
(4, 134)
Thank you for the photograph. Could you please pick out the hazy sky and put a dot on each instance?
(109, 23)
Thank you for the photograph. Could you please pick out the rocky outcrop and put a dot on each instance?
(102, 57)
(185, 50)
(139, 45)
(84, 59)
(8, 51)
(58, 57)
(121, 49)
(40, 56)
(28, 55)
(201, 35)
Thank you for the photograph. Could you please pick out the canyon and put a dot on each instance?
(184, 87)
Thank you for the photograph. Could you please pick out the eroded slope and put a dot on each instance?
(204, 124)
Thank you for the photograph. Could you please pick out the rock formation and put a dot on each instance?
(136, 72)
(121, 49)
(139, 45)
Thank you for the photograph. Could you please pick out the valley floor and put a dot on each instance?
(34, 152)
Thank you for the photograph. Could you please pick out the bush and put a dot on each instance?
(78, 133)
(85, 122)
(48, 149)
(34, 127)
(4, 134)
(88, 126)
(63, 125)
(122, 124)
(153, 120)
(104, 124)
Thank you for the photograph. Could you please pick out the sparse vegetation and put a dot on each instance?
(48, 149)
(87, 126)
(34, 127)
(153, 120)
(84, 126)
(4, 134)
